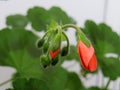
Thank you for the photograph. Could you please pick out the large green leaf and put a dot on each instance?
(56, 78)
(111, 67)
(26, 65)
(40, 17)
(32, 84)
(18, 50)
(17, 21)
(105, 41)
(16, 39)
(58, 15)
(73, 82)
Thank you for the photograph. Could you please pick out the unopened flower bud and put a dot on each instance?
(40, 43)
(45, 61)
(64, 51)
(55, 60)
(56, 42)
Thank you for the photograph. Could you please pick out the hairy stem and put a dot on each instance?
(81, 35)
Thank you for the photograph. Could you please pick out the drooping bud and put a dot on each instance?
(40, 43)
(87, 56)
(65, 51)
(45, 61)
(55, 47)
(56, 42)
(55, 60)
(55, 53)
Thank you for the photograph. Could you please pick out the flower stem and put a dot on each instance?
(81, 35)
(72, 26)
(5, 82)
(106, 87)
(68, 43)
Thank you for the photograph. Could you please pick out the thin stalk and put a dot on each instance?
(5, 82)
(68, 43)
(72, 26)
(107, 85)
(81, 35)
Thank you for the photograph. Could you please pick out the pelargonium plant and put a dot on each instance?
(51, 45)
(38, 59)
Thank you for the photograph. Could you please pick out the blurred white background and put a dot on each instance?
(98, 10)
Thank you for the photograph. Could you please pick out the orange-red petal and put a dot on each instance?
(93, 63)
(53, 54)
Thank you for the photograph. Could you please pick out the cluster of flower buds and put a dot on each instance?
(51, 46)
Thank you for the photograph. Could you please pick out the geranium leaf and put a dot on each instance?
(17, 21)
(58, 15)
(73, 82)
(56, 78)
(39, 18)
(32, 84)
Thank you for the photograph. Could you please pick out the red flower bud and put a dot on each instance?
(55, 53)
(87, 56)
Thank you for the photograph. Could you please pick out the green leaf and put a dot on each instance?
(111, 37)
(16, 39)
(32, 84)
(95, 88)
(56, 78)
(18, 50)
(73, 82)
(20, 84)
(60, 16)
(36, 84)
(26, 65)
(39, 18)
(17, 21)
(111, 65)
(105, 41)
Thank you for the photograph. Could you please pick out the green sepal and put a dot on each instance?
(65, 51)
(83, 38)
(55, 60)
(45, 61)
(56, 42)
(45, 47)
(40, 43)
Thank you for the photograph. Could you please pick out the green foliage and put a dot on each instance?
(58, 15)
(17, 21)
(74, 82)
(105, 41)
(56, 78)
(95, 88)
(40, 17)
(25, 65)
(31, 84)
(17, 39)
